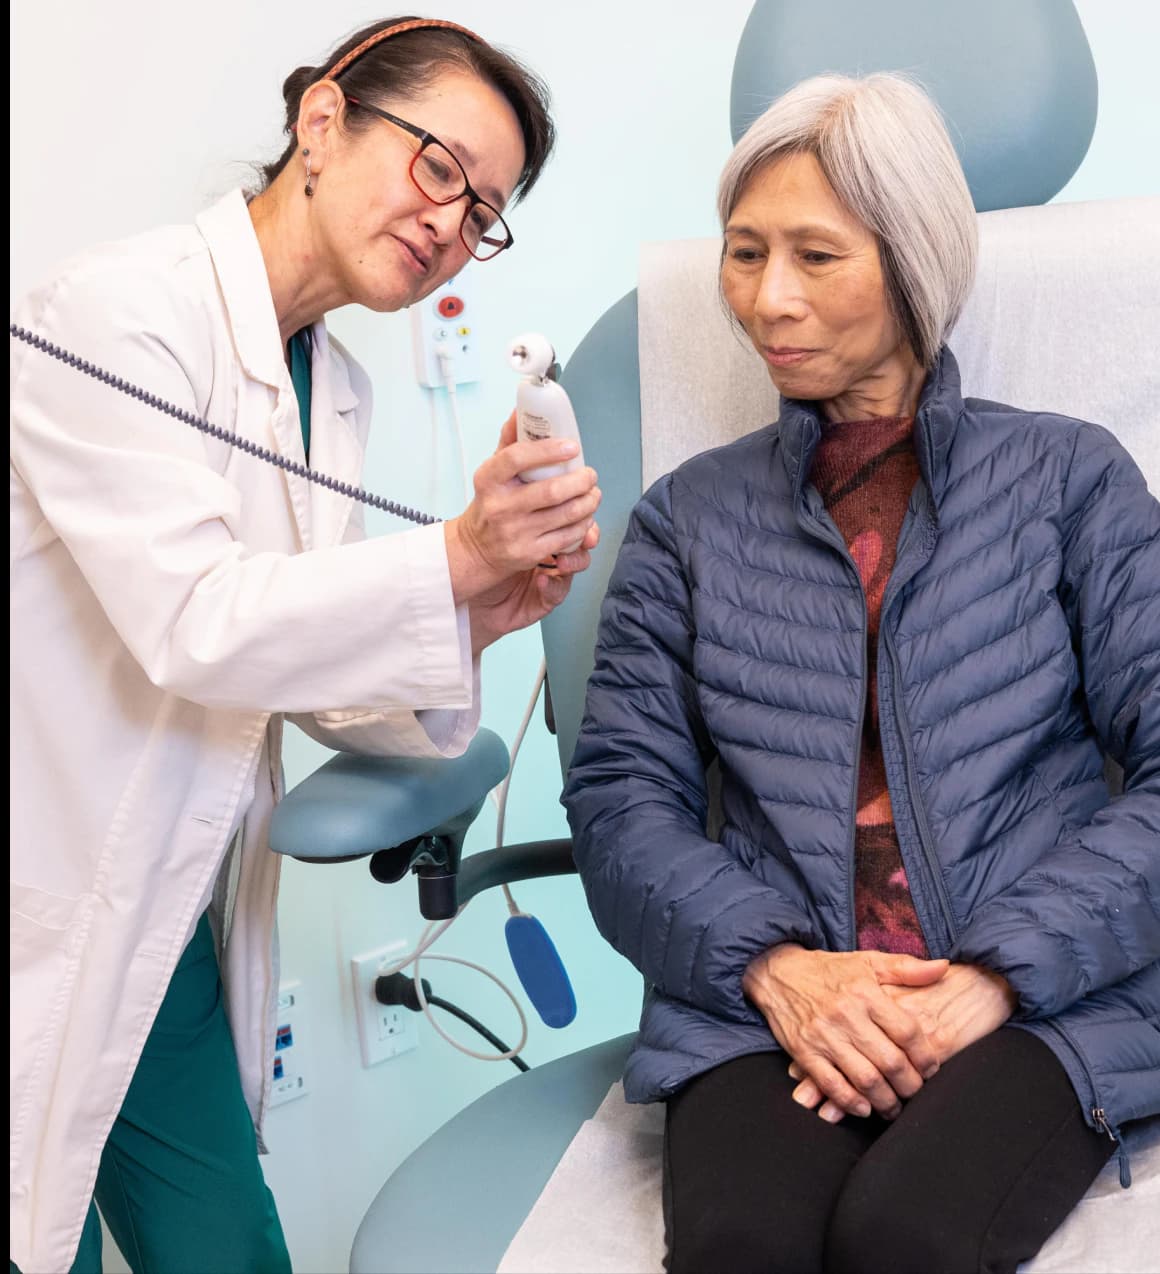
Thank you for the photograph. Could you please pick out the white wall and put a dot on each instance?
(129, 113)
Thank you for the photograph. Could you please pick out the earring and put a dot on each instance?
(309, 187)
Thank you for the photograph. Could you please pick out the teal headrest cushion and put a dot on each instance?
(1014, 79)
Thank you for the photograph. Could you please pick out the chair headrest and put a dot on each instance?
(1062, 318)
(1015, 81)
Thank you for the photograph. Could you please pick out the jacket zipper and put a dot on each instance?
(920, 821)
(1099, 1119)
(838, 543)
(853, 869)
(902, 724)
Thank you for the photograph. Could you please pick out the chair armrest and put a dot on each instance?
(514, 862)
(356, 805)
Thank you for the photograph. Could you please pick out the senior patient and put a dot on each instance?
(905, 626)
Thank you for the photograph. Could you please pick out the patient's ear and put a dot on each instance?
(1016, 82)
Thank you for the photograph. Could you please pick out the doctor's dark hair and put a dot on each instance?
(883, 146)
(403, 66)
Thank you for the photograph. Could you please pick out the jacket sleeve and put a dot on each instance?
(1090, 910)
(679, 906)
(129, 492)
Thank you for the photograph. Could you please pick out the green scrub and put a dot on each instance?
(300, 375)
(179, 1184)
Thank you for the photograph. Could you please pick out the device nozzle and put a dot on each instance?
(531, 354)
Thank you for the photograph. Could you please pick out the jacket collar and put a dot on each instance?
(939, 406)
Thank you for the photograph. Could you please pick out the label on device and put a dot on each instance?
(536, 428)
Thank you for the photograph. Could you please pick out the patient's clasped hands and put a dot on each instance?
(865, 1029)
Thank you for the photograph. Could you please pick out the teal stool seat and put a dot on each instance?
(357, 805)
(458, 1201)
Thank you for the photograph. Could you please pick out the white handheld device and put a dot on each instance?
(543, 409)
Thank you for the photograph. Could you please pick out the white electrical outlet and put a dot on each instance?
(288, 1079)
(446, 318)
(384, 1030)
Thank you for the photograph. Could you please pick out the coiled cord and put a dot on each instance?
(223, 435)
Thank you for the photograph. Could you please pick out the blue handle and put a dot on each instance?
(540, 970)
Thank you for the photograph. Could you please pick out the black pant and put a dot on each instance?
(978, 1170)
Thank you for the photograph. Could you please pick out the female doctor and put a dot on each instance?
(174, 600)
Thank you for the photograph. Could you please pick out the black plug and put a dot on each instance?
(399, 988)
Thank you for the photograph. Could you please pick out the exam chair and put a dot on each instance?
(648, 393)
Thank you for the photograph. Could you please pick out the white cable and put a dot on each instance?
(424, 942)
(436, 499)
(447, 371)
(428, 938)
(501, 803)
(483, 1057)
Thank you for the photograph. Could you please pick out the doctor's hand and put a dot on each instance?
(512, 527)
(832, 1013)
(527, 597)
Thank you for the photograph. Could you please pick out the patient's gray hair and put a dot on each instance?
(883, 147)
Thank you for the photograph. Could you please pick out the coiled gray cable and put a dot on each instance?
(214, 431)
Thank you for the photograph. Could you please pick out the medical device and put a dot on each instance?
(543, 409)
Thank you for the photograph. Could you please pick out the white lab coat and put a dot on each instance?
(172, 599)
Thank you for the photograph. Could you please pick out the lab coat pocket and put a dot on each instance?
(39, 919)
(41, 929)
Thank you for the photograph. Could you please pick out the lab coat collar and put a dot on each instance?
(335, 448)
(333, 371)
(240, 267)
(245, 287)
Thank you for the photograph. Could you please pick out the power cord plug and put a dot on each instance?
(398, 988)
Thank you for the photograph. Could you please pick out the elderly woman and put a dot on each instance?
(906, 627)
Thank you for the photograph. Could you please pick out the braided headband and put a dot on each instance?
(417, 24)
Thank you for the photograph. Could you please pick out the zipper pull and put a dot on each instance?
(1101, 1123)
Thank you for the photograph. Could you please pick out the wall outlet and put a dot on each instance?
(288, 1079)
(447, 317)
(384, 1030)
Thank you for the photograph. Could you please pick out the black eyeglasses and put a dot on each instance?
(440, 177)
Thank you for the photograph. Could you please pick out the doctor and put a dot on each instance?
(174, 600)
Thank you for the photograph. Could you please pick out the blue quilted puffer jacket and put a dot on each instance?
(1019, 641)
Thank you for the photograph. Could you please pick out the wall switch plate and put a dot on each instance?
(448, 316)
(288, 1079)
(384, 1030)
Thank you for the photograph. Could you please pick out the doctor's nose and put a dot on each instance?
(444, 221)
